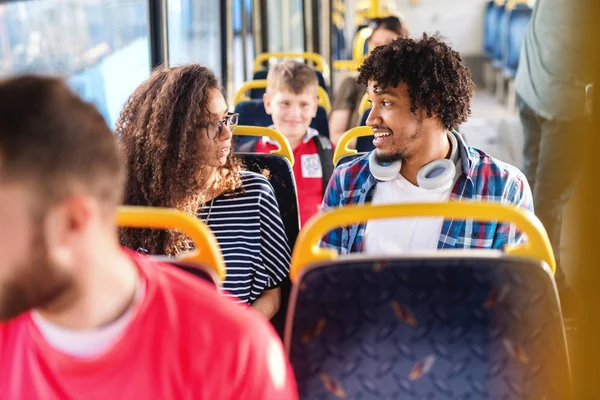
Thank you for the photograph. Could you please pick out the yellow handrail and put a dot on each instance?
(207, 253)
(307, 250)
(363, 105)
(374, 9)
(285, 150)
(323, 97)
(358, 51)
(349, 65)
(320, 62)
(342, 149)
(511, 4)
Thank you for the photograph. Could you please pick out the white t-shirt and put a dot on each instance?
(87, 343)
(399, 235)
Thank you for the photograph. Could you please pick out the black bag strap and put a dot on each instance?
(325, 151)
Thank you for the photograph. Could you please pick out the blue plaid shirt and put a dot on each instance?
(482, 178)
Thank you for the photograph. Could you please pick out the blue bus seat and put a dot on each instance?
(253, 113)
(364, 144)
(454, 327)
(488, 30)
(279, 172)
(518, 22)
(500, 32)
(195, 269)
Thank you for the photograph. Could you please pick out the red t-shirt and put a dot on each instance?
(308, 174)
(185, 341)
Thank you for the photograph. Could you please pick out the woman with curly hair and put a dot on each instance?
(176, 132)
(420, 92)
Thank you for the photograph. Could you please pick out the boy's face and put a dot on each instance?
(292, 112)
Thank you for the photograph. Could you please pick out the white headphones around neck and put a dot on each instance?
(436, 175)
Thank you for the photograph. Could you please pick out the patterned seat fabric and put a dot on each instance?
(428, 329)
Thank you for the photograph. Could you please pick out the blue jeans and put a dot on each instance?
(553, 155)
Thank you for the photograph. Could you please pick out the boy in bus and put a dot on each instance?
(80, 317)
(420, 92)
(291, 100)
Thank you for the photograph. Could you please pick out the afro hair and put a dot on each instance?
(437, 79)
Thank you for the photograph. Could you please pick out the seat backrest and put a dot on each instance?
(281, 176)
(195, 269)
(451, 327)
(500, 32)
(488, 35)
(347, 158)
(518, 22)
(262, 74)
(253, 113)
(364, 144)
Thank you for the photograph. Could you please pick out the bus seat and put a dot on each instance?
(343, 153)
(278, 169)
(444, 324)
(489, 29)
(364, 144)
(206, 261)
(195, 269)
(518, 22)
(500, 32)
(252, 112)
(322, 95)
(426, 327)
(262, 74)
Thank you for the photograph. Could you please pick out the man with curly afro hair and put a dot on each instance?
(420, 92)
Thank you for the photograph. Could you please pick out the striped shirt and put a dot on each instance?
(250, 232)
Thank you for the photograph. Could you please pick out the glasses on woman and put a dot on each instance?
(215, 129)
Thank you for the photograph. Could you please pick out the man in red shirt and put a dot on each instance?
(291, 100)
(79, 316)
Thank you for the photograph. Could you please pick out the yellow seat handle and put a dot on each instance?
(285, 150)
(207, 252)
(323, 97)
(358, 52)
(342, 149)
(307, 250)
(320, 62)
(363, 105)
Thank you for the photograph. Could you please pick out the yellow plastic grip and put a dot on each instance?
(320, 62)
(285, 150)
(207, 253)
(361, 37)
(363, 105)
(342, 149)
(307, 250)
(323, 97)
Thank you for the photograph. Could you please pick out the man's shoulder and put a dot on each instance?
(194, 296)
(486, 169)
(354, 169)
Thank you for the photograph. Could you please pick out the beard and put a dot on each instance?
(36, 283)
(383, 159)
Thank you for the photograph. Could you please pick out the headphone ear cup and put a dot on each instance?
(383, 172)
(437, 175)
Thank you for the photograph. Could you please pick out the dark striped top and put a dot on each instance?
(250, 232)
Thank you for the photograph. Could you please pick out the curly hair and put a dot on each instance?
(159, 132)
(437, 79)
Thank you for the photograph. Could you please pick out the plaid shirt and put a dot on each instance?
(482, 178)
